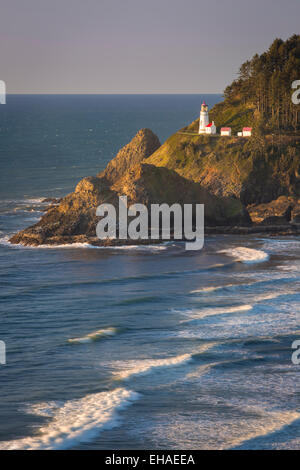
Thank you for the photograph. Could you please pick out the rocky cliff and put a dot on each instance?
(141, 146)
(132, 174)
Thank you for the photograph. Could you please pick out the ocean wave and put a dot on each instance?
(257, 298)
(33, 219)
(270, 422)
(227, 425)
(94, 336)
(143, 367)
(246, 255)
(39, 200)
(30, 200)
(207, 312)
(270, 296)
(290, 267)
(281, 246)
(136, 368)
(79, 420)
(151, 248)
(5, 241)
(137, 247)
(214, 288)
(267, 280)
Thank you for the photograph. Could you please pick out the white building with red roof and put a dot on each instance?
(226, 131)
(247, 131)
(211, 128)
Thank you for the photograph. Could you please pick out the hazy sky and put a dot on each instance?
(135, 46)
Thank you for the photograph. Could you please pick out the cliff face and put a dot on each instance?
(74, 218)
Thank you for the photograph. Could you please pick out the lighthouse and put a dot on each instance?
(204, 118)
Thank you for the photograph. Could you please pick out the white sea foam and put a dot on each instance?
(33, 201)
(151, 248)
(137, 247)
(136, 368)
(270, 296)
(246, 255)
(38, 200)
(207, 312)
(5, 241)
(94, 336)
(79, 420)
(258, 298)
(133, 368)
(212, 289)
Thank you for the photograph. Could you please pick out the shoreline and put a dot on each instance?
(270, 230)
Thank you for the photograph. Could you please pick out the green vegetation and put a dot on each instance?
(261, 95)
(264, 87)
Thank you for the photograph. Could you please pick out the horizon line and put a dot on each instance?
(110, 94)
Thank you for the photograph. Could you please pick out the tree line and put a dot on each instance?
(264, 84)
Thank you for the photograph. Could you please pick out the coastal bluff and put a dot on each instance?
(247, 186)
(73, 219)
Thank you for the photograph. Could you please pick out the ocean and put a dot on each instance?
(147, 347)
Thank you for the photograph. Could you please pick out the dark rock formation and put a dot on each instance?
(281, 211)
(279, 220)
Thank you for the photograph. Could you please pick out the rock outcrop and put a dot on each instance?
(284, 210)
(141, 146)
(74, 218)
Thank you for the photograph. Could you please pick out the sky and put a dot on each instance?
(135, 46)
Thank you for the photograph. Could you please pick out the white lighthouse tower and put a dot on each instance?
(204, 118)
